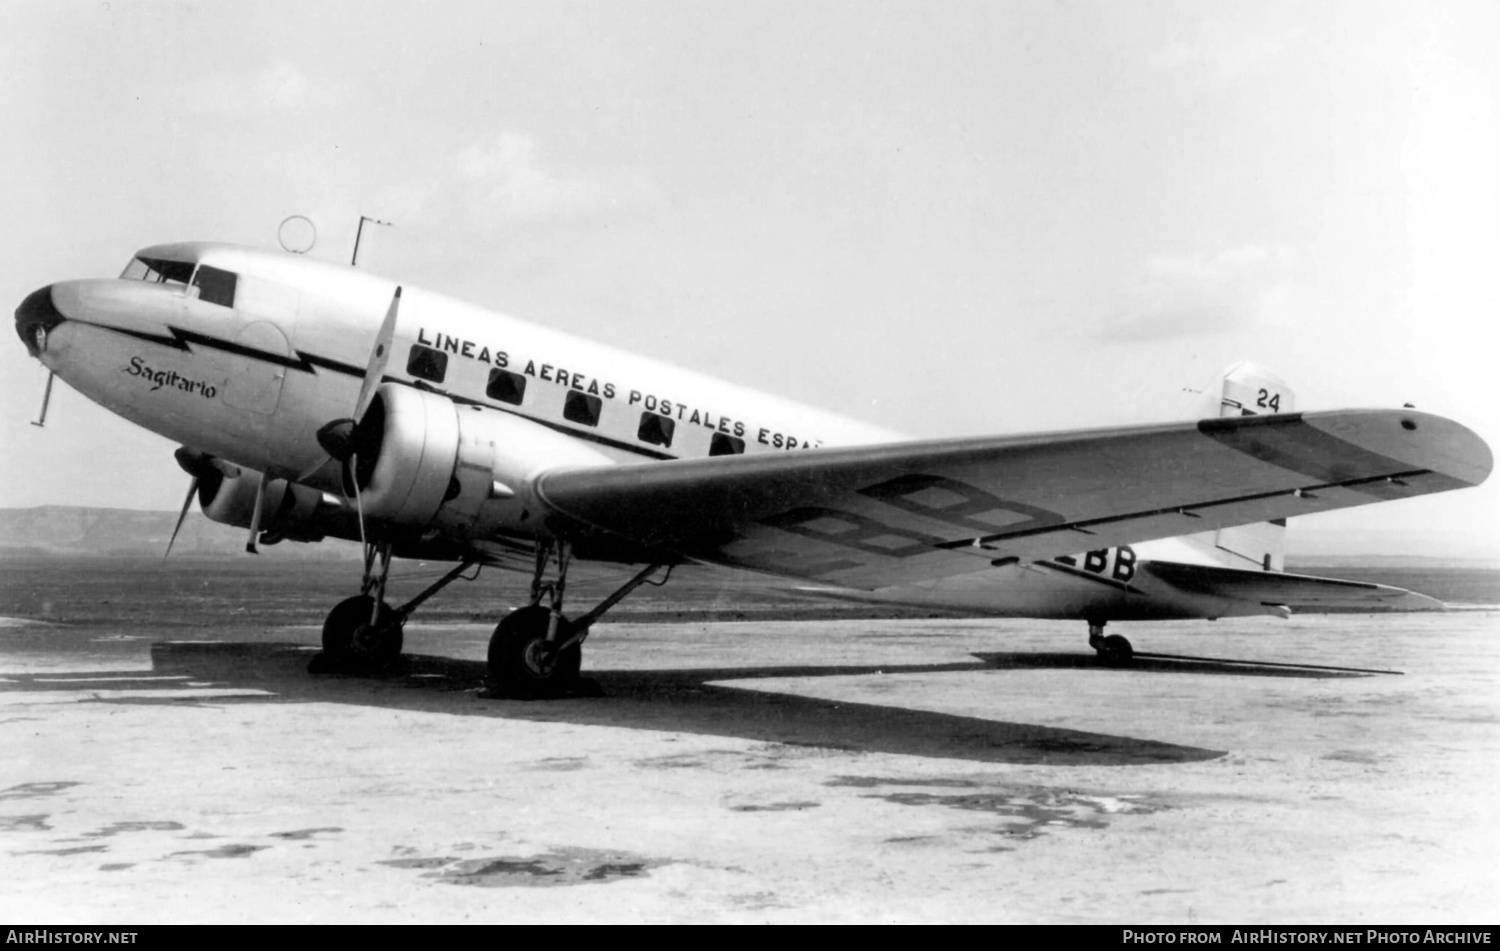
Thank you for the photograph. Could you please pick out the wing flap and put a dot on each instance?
(872, 516)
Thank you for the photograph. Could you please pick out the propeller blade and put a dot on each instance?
(379, 357)
(260, 504)
(182, 516)
(334, 436)
(333, 445)
(359, 502)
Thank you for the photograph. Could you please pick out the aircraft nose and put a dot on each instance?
(35, 319)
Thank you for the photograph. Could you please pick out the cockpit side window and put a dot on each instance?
(158, 271)
(215, 286)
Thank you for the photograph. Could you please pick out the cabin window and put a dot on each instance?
(724, 444)
(655, 429)
(425, 363)
(215, 286)
(581, 408)
(507, 387)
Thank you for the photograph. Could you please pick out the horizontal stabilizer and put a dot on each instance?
(1307, 592)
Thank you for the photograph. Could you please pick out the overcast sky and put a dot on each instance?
(942, 217)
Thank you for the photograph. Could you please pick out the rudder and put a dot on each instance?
(1248, 389)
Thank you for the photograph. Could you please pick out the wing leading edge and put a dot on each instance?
(873, 516)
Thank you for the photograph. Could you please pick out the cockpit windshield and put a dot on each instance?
(158, 271)
(210, 284)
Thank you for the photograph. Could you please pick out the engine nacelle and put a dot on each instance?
(227, 494)
(421, 460)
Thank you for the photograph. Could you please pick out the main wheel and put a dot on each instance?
(1116, 651)
(347, 633)
(378, 646)
(520, 663)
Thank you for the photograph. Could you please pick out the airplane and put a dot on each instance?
(317, 400)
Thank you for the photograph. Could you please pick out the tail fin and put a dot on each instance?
(1247, 389)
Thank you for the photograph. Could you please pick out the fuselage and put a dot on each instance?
(243, 354)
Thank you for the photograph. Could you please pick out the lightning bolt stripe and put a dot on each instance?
(184, 340)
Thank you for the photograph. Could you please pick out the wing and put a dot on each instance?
(873, 516)
(1274, 588)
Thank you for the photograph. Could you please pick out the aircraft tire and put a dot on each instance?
(1116, 651)
(518, 666)
(346, 618)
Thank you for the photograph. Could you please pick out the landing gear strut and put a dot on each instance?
(537, 652)
(364, 628)
(1114, 650)
(365, 631)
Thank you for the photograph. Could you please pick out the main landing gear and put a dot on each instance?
(364, 632)
(536, 651)
(1114, 650)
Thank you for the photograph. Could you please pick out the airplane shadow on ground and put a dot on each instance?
(698, 701)
(1175, 664)
(683, 701)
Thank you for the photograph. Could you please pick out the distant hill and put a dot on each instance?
(1314, 543)
(73, 530)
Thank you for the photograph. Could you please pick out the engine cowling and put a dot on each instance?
(421, 460)
(227, 493)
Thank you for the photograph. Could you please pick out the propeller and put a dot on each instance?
(181, 516)
(336, 437)
(260, 504)
(197, 465)
(379, 357)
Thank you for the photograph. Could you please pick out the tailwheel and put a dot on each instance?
(349, 638)
(1114, 650)
(523, 664)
